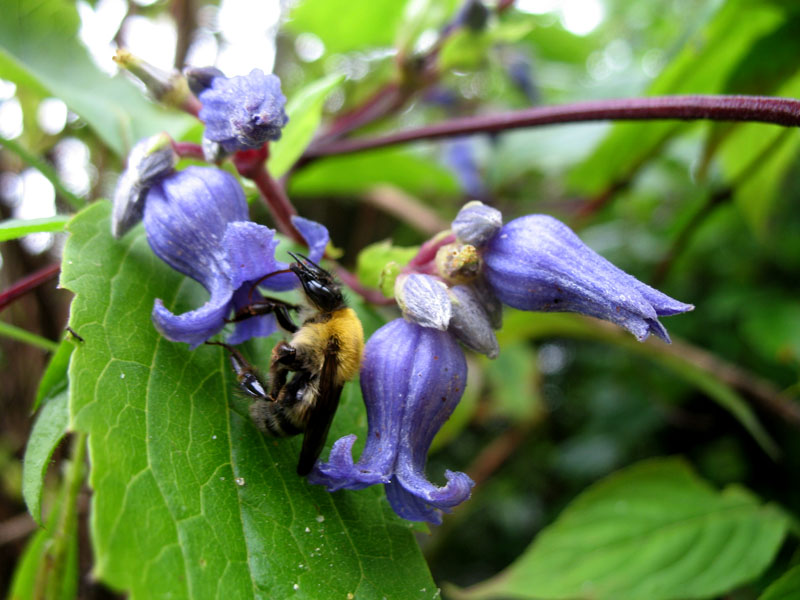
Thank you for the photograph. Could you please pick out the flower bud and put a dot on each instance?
(423, 300)
(150, 159)
(470, 323)
(200, 78)
(242, 113)
(476, 223)
(169, 88)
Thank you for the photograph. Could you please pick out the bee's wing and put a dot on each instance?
(322, 414)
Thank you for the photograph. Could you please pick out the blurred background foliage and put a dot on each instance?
(707, 212)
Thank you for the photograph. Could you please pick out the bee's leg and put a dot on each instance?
(265, 306)
(247, 376)
(284, 359)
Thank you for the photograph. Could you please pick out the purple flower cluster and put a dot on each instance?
(197, 222)
(414, 371)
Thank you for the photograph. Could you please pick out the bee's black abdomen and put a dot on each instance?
(273, 419)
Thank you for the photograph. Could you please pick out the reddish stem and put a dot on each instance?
(764, 109)
(27, 284)
(188, 150)
(370, 295)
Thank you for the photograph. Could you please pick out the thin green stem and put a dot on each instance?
(21, 335)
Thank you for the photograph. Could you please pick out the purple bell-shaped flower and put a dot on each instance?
(412, 378)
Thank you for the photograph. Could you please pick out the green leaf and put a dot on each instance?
(703, 66)
(345, 25)
(785, 588)
(655, 531)
(189, 498)
(54, 380)
(305, 113)
(357, 173)
(28, 580)
(11, 229)
(374, 260)
(48, 431)
(39, 48)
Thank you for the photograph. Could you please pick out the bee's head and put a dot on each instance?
(320, 287)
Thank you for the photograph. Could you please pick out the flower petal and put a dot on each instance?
(538, 263)
(386, 371)
(437, 384)
(250, 250)
(315, 235)
(186, 216)
(196, 326)
(260, 326)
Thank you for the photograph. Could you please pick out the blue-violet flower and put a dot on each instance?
(537, 263)
(412, 378)
(243, 112)
(196, 221)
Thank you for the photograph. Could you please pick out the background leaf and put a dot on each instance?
(785, 588)
(11, 229)
(48, 431)
(30, 30)
(305, 113)
(189, 498)
(654, 530)
(345, 25)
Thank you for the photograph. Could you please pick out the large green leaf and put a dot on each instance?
(655, 531)
(39, 48)
(189, 498)
(305, 113)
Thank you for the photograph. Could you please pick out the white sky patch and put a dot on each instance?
(203, 49)
(577, 16)
(11, 118)
(249, 30)
(98, 27)
(52, 115)
(7, 89)
(582, 16)
(38, 200)
(152, 40)
(309, 47)
(71, 157)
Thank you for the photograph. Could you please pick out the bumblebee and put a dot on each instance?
(307, 373)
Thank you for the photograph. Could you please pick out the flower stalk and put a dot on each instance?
(762, 109)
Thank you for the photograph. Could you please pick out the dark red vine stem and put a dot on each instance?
(763, 109)
(27, 284)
